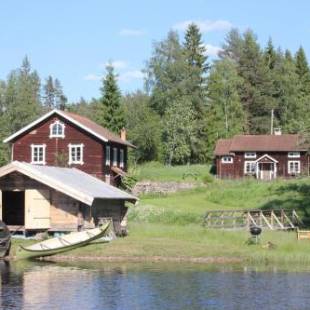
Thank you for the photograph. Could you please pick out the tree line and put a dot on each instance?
(187, 103)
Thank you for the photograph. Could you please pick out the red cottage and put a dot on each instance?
(61, 138)
(264, 157)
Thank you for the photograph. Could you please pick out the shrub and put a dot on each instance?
(208, 178)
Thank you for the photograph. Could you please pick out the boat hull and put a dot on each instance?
(63, 244)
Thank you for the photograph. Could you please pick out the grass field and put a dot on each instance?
(155, 171)
(171, 225)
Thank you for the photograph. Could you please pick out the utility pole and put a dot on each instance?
(271, 123)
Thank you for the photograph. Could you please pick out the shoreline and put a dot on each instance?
(142, 259)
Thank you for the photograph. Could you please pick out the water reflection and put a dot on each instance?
(28, 285)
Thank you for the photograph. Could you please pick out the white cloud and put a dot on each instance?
(129, 76)
(132, 32)
(212, 50)
(117, 64)
(205, 25)
(93, 77)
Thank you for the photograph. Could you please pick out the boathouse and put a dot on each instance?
(45, 198)
(264, 157)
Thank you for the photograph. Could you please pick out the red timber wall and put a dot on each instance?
(57, 149)
(235, 170)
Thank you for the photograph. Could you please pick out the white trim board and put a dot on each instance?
(47, 115)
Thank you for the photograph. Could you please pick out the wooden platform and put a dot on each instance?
(279, 219)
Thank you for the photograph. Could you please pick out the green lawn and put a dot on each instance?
(155, 171)
(171, 225)
(190, 206)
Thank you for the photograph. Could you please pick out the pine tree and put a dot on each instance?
(60, 98)
(195, 55)
(110, 111)
(303, 71)
(270, 55)
(49, 93)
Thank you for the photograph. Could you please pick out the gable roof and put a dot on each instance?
(263, 143)
(69, 181)
(82, 122)
(222, 147)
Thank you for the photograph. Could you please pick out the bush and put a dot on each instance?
(207, 179)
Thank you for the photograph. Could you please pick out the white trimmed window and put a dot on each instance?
(250, 155)
(76, 154)
(249, 167)
(227, 159)
(293, 154)
(114, 156)
(294, 167)
(121, 158)
(38, 154)
(57, 130)
(107, 155)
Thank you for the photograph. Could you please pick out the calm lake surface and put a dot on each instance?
(28, 285)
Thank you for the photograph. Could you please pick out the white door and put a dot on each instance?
(37, 209)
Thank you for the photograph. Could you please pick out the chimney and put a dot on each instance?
(277, 132)
(123, 134)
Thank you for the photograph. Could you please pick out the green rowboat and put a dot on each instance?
(67, 242)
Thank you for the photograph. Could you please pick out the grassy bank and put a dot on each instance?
(169, 226)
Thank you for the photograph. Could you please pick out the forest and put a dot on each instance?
(187, 103)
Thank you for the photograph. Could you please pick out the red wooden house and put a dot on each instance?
(59, 165)
(61, 138)
(261, 156)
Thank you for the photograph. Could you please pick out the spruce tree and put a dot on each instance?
(49, 93)
(110, 111)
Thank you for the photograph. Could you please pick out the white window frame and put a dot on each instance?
(293, 154)
(57, 135)
(107, 155)
(250, 155)
(114, 162)
(121, 158)
(75, 161)
(248, 162)
(289, 166)
(225, 160)
(33, 159)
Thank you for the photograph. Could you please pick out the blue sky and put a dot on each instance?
(72, 40)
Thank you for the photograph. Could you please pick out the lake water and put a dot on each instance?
(27, 285)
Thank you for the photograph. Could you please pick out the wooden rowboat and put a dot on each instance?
(67, 242)
(5, 240)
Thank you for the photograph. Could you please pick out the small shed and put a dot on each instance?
(44, 198)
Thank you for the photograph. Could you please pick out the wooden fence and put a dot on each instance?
(237, 219)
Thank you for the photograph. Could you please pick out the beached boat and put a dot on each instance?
(67, 242)
(5, 240)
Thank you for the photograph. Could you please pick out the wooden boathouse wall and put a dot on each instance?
(48, 209)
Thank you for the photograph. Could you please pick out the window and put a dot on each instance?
(107, 155)
(293, 154)
(38, 154)
(293, 167)
(121, 158)
(76, 154)
(249, 155)
(227, 159)
(57, 130)
(114, 156)
(249, 167)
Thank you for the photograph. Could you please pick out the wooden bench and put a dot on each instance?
(303, 234)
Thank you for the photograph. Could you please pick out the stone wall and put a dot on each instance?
(152, 187)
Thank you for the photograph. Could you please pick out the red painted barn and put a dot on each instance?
(61, 138)
(264, 157)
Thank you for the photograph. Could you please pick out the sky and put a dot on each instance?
(73, 40)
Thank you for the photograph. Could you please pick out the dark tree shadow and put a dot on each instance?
(298, 200)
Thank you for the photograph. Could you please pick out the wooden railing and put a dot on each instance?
(279, 219)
